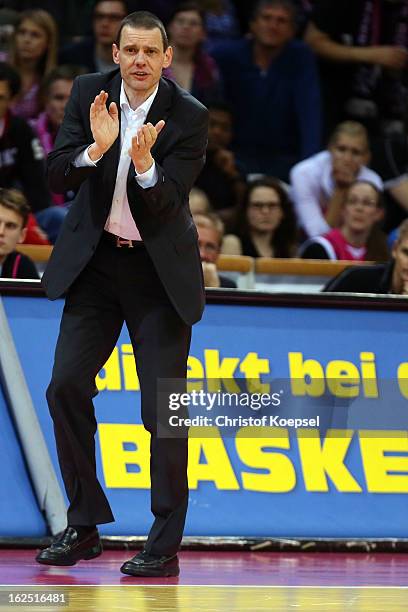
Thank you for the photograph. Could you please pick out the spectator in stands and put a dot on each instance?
(363, 49)
(319, 183)
(210, 232)
(266, 225)
(359, 237)
(220, 21)
(95, 53)
(33, 53)
(191, 67)
(198, 202)
(22, 161)
(245, 9)
(271, 84)
(14, 212)
(390, 161)
(391, 277)
(55, 92)
(222, 178)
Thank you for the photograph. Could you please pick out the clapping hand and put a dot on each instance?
(104, 125)
(142, 143)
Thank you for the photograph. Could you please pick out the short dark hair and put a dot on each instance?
(146, 21)
(288, 5)
(9, 74)
(15, 201)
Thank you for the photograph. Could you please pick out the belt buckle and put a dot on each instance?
(122, 242)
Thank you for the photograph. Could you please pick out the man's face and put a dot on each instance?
(141, 58)
(5, 98)
(106, 21)
(57, 99)
(186, 30)
(208, 243)
(400, 254)
(219, 129)
(349, 153)
(273, 27)
(11, 231)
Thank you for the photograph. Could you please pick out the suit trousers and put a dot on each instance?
(119, 285)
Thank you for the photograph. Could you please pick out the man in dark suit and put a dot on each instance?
(127, 252)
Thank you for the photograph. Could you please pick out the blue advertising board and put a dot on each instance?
(19, 512)
(342, 481)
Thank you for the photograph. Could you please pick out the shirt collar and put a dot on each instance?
(142, 109)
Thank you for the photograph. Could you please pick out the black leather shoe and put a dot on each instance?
(68, 548)
(144, 564)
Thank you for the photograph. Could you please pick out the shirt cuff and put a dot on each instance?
(149, 178)
(83, 159)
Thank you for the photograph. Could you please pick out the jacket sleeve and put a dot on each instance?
(71, 140)
(177, 172)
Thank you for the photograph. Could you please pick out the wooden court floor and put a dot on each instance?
(214, 581)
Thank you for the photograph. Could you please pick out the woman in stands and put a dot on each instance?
(34, 54)
(192, 68)
(266, 225)
(359, 237)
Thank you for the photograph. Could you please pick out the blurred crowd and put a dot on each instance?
(308, 134)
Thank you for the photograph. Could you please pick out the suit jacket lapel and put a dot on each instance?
(111, 157)
(160, 109)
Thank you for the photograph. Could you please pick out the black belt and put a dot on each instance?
(122, 243)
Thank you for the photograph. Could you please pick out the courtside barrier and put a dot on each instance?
(347, 478)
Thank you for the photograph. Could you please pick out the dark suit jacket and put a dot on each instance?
(161, 213)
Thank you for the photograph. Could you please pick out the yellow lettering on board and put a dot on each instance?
(402, 374)
(299, 370)
(320, 461)
(115, 459)
(252, 366)
(220, 372)
(218, 468)
(378, 466)
(369, 374)
(343, 378)
(281, 475)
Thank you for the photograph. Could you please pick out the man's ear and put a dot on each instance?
(115, 53)
(168, 57)
(23, 235)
